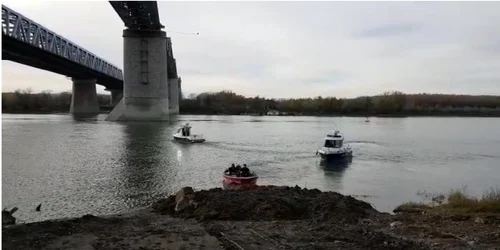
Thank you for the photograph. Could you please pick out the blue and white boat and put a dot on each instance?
(184, 135)
(334, 148)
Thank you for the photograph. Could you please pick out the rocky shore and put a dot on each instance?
(266, 217)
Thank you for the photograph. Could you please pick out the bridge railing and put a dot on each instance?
(25, 30)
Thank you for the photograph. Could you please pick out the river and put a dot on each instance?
(91, 166)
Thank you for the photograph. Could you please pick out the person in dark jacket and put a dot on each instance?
(245, 172)
(231, 170)
(238, 170)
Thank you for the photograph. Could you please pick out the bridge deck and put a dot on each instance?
(138, 15)
(25, 39)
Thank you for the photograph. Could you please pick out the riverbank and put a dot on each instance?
(103, 110)
(392, 104)
(405, 115)
(266, 217)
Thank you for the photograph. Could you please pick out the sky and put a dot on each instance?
(294, 49)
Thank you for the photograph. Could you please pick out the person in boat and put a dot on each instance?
(245, 172)
(188, 129)
(231, 170)
(238, 170)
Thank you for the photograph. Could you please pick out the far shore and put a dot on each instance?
(405, 115)
(388, 104)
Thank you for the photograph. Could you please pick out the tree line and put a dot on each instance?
(389, 103)
(25, 101)
(229, 103)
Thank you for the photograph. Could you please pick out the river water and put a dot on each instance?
(81, 166)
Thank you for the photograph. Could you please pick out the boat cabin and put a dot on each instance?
(185, 130)
(334, 140)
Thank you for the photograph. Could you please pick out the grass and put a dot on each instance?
(411, 207)
(457, 200)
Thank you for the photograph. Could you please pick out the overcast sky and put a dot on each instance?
(294, 49)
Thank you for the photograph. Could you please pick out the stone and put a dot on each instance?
(396, 224)
(366, 221)
(184, 198)
(479, 220)
(7, 217)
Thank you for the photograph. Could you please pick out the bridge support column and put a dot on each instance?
(145, 87)
(116, 96)
(180, 91)
(84, 97)
(173, 95)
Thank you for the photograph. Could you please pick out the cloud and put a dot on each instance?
(296, 49)
(388, 30)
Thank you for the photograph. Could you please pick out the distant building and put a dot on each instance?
(273, 112)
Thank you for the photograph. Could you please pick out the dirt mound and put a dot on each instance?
(268, 203)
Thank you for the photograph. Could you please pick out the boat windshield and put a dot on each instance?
(333, 143)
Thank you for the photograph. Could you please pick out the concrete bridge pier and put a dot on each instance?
(145, 87)
(84, 97)
(173, 95)
(180, 91)
(116, 96)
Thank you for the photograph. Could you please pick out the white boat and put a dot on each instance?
(184, 135)
(334, 148)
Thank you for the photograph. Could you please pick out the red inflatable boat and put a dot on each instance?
(239, 178)
(232, 179)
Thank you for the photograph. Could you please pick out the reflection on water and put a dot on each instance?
(143, 152)
(85, 117)
(80, 165)
(334, 170)
(336, 165)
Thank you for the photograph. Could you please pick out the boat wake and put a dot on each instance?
(364, 142)
(251, 148)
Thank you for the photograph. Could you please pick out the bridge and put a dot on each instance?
(149, 87)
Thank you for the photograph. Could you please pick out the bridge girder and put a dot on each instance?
(23, 31)
(171, 63)
(138, 15)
